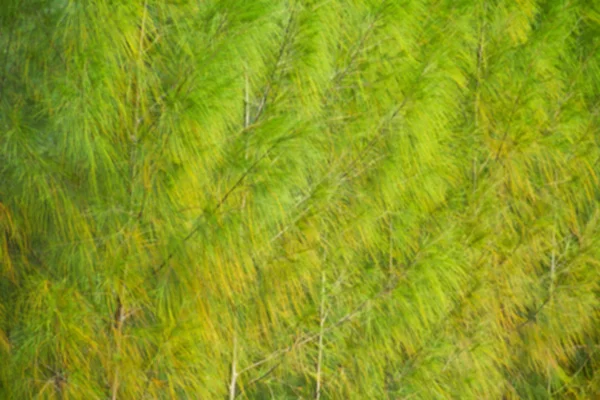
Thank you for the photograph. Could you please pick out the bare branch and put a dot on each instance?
(234, 373)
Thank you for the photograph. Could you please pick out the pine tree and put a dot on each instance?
(362, 199)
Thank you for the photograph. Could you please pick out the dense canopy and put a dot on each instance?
(325, 199)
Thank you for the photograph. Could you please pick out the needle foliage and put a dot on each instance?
(358, 199)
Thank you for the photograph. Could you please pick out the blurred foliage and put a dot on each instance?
(360, 199)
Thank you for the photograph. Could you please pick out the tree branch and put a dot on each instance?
(322, 318)
(234, 373)
(315, 336)
(268, 87)
(217, 207)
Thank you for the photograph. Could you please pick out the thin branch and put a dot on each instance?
(246, 101)
(510, 116)
(6, 53)
(269, 371)
(234, 373)
(480, 65)
(119, 319)
(138, 100)
(322, 318)
(217, 207)
(373, 141)
(312, 337)
(553, 266)
(339, 76)
(270, 80)
(581, 368)
(138, 93)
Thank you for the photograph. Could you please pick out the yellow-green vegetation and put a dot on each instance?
(316, 199)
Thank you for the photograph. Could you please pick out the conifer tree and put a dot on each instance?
(326, 199)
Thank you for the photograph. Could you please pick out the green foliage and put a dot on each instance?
(362, 199)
